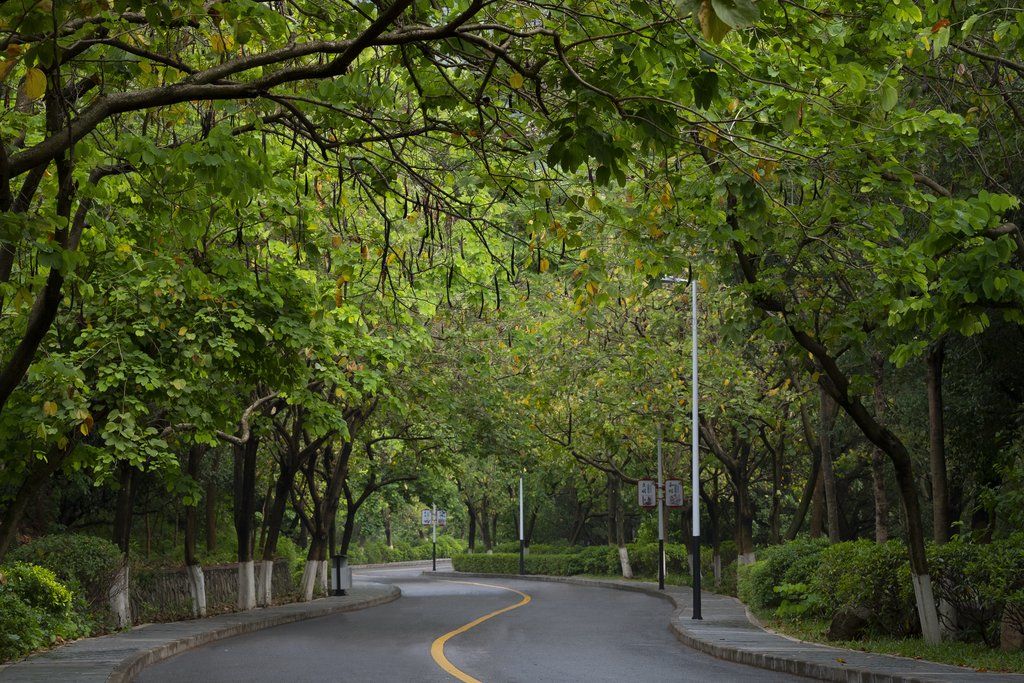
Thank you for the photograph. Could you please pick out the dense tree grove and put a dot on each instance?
(276, 275)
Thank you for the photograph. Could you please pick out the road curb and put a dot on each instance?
(842, 673)
(130, 667)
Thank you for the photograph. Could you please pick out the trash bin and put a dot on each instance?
(341, 576)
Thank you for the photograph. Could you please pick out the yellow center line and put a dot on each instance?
(437, 648)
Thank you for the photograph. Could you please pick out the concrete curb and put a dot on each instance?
(842, 673)
(130, 667)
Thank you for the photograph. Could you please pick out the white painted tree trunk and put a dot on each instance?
(309, 573)
(246, 585)
(627, 569)
(265, 583)
(746, 558)
(118, 594)
(948, 618)
(926, 611)
(322, 578)
(196, 589)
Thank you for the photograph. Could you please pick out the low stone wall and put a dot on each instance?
(162, 594)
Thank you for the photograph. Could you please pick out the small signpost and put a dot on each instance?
(433, 518)
(647, 491)
(674, 497)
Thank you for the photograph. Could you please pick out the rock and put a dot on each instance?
(1011, 630)
(849, 623)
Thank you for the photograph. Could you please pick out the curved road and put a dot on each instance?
(562, 633)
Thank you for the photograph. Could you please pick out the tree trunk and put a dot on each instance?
(211, 515)
(485, 528)
(744, 522)
(818, 505)
(245, 504)
(387, 525)
(934, 360)
(805, 499)
(774, 517)
(828, 476)
(122, 532)
(471, 541)
(194, 572)
(612, 490)
(620, 534)
(878, 458)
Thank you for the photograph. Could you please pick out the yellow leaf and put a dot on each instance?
(516, 81)
(220, 44)
(84, 428)
(35, 84)
(544, 265)
(182, 331)
(5, 67)
(50, 408)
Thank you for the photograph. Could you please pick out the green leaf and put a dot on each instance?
(736, 13)
(889, 97)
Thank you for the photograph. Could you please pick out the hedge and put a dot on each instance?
(810, 578)
(35, 610)
(85, 564)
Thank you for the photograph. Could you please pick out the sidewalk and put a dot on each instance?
(727, 632)
(121, 656)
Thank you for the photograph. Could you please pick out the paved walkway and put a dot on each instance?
(120, 656)
(727, 633)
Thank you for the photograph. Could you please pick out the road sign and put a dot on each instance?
(648, 493)
(426, 519)
(442, 517)
(674, 493)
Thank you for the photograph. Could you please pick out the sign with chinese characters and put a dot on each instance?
(426, 519)
(442, 517)
(674, 493)
(647, 491)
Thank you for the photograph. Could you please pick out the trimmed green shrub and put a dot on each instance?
(982, 581)
(870, 575)
(37, 587)
(21, 628)
(791, 563)
(84, 563)
(597, 559)
(508, 563)
(35, 610)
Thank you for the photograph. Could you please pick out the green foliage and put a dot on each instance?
(38, 588)
(84, 563)
(377, 552)
(35, 610)
(508, 563)
(793, 563)
(871, 575)
(983, 582)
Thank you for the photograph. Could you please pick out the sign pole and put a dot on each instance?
(695, 459)
(433, 549)
(522, 536)
(661, 520)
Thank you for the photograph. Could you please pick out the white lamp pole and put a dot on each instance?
(695, 454)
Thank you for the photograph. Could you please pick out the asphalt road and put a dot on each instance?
(563, 633)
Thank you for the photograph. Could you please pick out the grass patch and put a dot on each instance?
(974, 655)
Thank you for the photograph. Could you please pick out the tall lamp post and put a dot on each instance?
(522, 536)
(695, 429)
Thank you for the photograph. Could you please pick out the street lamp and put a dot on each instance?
(695, 438)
